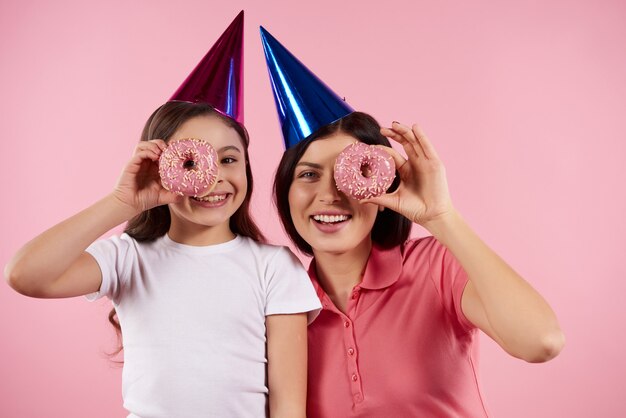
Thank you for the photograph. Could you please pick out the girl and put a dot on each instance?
(397, 332)
(197, 293)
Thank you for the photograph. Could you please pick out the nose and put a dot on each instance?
(328, 192)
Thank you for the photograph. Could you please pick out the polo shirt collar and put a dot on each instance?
(382, 270)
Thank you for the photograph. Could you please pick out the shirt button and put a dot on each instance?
(355, 377)
(358, 398)
(355, 295)
(351, 351)
(346, 324)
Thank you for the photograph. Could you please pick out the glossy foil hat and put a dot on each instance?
(217, 79)
(303, 102)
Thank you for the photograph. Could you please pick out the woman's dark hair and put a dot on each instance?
(390, 228)
(154, 223)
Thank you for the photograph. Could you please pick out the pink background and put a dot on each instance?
(524, 100)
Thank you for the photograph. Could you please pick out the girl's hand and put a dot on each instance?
(423, 194)
(139, 185)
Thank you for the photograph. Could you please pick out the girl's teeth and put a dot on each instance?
(213, 199)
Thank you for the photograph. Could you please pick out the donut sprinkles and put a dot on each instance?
(188, 167)
(363, 171)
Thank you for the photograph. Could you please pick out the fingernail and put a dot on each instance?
(395, 121)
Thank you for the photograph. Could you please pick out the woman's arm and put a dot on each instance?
(496, 299)
(287, 365)
(55, 264)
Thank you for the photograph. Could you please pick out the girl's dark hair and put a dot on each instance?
(154, 223)
(390, 228)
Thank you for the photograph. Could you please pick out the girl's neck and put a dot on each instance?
(339, 273)
(200, 236)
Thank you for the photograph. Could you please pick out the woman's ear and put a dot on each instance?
(381, 208)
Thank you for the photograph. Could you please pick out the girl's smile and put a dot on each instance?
(212, 199)
(208, 216)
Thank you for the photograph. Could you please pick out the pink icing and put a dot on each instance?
(357, 159)
(188, 167)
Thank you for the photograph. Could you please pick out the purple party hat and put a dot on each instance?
(303, 102)
(218, 78)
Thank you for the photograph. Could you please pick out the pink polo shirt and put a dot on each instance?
(404, 349)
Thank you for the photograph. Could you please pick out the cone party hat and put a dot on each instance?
(303, 102)
(218, 78)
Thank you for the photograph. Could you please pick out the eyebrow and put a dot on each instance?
(312, 165)
(229, 147)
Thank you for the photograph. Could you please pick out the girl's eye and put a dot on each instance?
(228, 160)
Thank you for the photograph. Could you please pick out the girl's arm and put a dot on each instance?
(496, 299)
(55, 264)
(287, 365)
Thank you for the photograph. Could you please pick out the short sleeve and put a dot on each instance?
(289, 289)
(114, 256)
(450, 280)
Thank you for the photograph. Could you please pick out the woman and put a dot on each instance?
(396, 336)
(397, 333)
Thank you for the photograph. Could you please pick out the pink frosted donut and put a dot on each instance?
(188, 167)
(363, 171)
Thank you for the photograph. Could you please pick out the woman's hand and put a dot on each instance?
(423, 194)
(496, 299)
(139, 185)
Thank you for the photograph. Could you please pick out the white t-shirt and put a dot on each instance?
(193, 321)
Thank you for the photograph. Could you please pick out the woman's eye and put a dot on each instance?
(307, 175)
(228, 160)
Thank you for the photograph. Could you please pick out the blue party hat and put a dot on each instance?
(303, 102)
(218, 79)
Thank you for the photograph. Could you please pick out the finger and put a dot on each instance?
(157, 146)
(409, 135)
(148, 153)
(427, 146)
(387, 200)
(397, 137)
(390, 133)
(166, 197)
(139, 158)
(160, 143)
(398, 159)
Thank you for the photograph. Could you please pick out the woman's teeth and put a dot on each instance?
(329, 219)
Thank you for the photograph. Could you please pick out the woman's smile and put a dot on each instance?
(325, 217)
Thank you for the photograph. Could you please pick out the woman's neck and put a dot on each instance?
(339, 273)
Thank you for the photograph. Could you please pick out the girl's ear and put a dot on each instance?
(381, 208)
